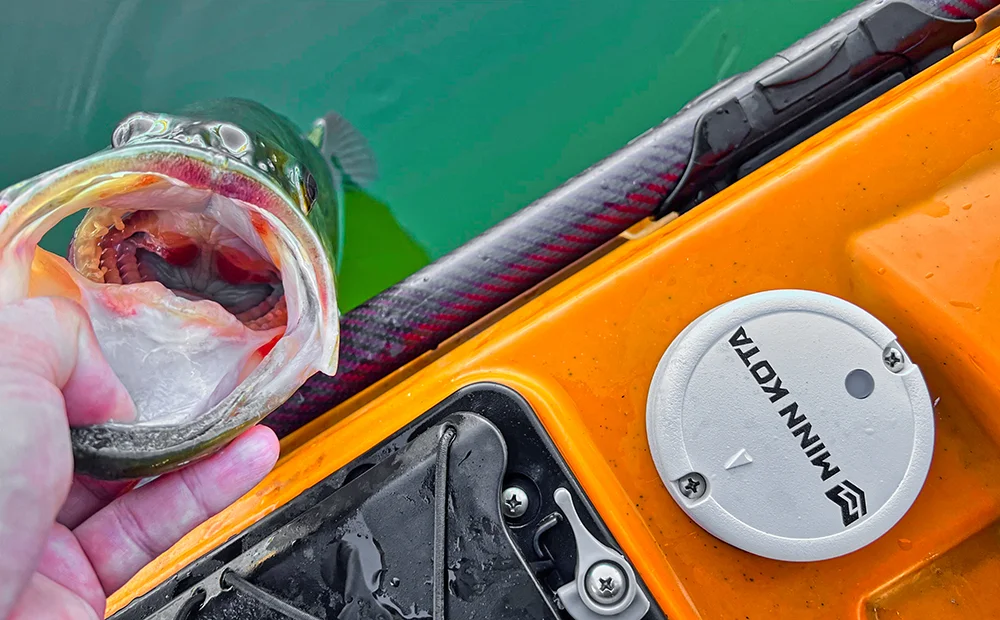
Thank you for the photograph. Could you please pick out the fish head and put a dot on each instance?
(247, 132)
(206, 264)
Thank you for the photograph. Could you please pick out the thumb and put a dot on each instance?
(52, 374)
(50, 340)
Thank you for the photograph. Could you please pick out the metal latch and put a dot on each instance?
(605, 584)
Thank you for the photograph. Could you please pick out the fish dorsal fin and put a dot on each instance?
(345, 149)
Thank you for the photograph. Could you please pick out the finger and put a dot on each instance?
(49, 363)
(92, 390)
(137, 527)
(64, 562)
(87, 496)
(43, 598)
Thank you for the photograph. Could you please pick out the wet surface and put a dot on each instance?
(365, 549)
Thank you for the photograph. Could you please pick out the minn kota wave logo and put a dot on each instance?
(851, 500)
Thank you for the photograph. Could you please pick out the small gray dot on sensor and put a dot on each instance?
(859, 383)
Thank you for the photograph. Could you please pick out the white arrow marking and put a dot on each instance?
(739, 459)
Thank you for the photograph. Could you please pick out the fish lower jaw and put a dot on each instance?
(177, 358)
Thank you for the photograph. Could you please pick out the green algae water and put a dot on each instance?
(474, 109)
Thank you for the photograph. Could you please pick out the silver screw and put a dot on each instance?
(693, 485)
(514, 502)
(606, 583)
(893, 358)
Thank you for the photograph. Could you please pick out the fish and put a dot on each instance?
(206, 261)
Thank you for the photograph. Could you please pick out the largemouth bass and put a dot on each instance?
(206, 262)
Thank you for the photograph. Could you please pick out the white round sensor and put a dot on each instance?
(790, 424)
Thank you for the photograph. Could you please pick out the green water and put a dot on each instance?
(474, 109)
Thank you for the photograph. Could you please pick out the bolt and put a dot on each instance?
(514, 502)
(693, 485)
(606, 583)
(893, 358)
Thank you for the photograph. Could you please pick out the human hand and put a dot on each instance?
(67, 542)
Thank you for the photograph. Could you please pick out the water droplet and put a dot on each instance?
(930, 274)
(967, 207)
(869, 431)
(394, 582)
(937, 209)
(905, 544)
(881, 270)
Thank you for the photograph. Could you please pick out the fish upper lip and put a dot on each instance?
(218, 162)
(214, 158)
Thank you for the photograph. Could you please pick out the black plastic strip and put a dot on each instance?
(757, 116)
(441, 522)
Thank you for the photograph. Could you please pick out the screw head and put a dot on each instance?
(893, 358)
(606, 583)
(514, 502)
(693, 485)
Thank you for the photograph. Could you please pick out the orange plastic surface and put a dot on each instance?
(897, 209)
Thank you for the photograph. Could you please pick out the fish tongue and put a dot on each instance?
(177, 358)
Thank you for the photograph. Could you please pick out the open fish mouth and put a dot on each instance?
(209, 292)
(197, 258)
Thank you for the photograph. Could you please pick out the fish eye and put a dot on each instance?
(309, 183)
(134, 125)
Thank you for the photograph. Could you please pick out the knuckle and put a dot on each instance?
(195, 489)
(133, 530)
